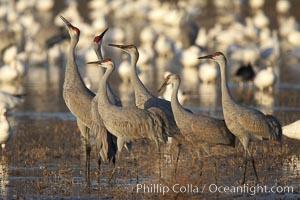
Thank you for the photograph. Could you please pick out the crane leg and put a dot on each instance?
(99, 168)
(245, 166)
(88, 160)
(253, 164)
(116, 167)
(159, 160)
(177, 159)
(85, 134)
(216, 169)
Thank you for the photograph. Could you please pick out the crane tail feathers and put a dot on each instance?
(276, 128)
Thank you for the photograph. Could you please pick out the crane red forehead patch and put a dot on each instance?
(218, 53)
(107, 60)
(75, 29)
(97, 38)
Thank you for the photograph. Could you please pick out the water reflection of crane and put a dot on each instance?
(4, 181)
(5, 129)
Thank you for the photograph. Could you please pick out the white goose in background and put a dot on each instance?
(265, 101)
(10, 54)
(283, 6)
(148, 36)
(188, 57)
(117, 35)
(5, 128)
(10, 100)
(146, 49)
(124, 69)
(12, 88)
(164, 46)
(202, 37)
(260, 20)
(13, 70)
(256, 4)
(208, 72)
(44, 5)
(265, 79)
(292, 130)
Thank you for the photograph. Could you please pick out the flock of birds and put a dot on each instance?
(102, 118)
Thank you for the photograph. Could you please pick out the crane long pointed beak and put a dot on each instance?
(100, 37)
(103, 33)
(206, 57)
(94, 62)
(118, 46)
(162, 87)
(65, 21)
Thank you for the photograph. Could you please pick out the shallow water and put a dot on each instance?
(45, 157)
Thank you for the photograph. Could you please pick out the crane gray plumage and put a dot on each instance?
(106, 143)
(245, 123)
(143, 98)
(199, 130)
(76, 95)
(128, 124)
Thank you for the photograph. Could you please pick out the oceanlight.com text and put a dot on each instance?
(212, 188)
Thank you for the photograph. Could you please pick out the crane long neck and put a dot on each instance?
(72, 75)
(137, 83)
(97, 49)
(226, 95)
(176, 106)
(110, 92)
(102, 91)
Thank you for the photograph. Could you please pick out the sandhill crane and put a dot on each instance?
(106, 143)
(5, 128)
(126, 123)
(245, 123)
(200, 131)
(77, 96)
(143, 98)
(167, 94)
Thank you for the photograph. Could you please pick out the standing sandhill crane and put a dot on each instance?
(77, 96)
(126, 123)
(143, 98)
(199, 131)
(106, 143)
(245, 123)
(5, 128)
